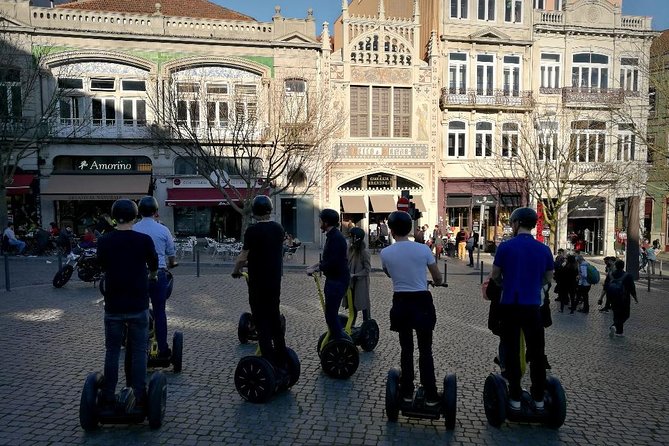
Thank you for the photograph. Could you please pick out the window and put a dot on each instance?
(539, 4)
(485, 79)
(629, 74)
(626, 142)
(486, 10)
(70, 84)
(459, 9)
(188, 112)
(70, 108)
(380, 112)
(11, 103)
(102, 84)
(590, 71)
(218, 113)
(129, 85)
(650, 148)
(456, 138)
(483, 139)
(511, 75)
(457, 73)
(510, 138)
(513, 11)
(547, 140)
(588, 141)
(134, 112)
(652, 100)
(295, 109)
(246, 106)
(550, 73)
(104, 112)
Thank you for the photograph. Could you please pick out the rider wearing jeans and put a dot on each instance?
(334, 265)
(164, 243)
(405, 262)
(126, 257)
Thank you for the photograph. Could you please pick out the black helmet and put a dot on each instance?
(357, 235)
(400, 223)
(148, 206)
(526, 217)
(330, 217)
(124, 210)
(262, 205)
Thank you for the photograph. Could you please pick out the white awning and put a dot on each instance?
(354, 204)
(383, 203)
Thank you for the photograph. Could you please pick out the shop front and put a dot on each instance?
(585, 224)
(23, 209)
(81, 189)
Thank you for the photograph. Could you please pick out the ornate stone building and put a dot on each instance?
(113, 65)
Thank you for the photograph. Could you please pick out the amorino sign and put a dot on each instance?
(102, 164)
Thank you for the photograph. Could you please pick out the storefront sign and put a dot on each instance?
(587, 207)
(484, 200)
(197, 182)
(102, 164)
(379, 181)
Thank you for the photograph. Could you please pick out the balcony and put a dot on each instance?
(98, 128)
(498, 100)
(588, 97)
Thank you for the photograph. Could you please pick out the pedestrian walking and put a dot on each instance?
(619, 286)
(522, 267)
(359, 265)
(566, 278)
(583, 288)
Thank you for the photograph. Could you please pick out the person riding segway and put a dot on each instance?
(405, 263)
(129, 261)
(277, 367)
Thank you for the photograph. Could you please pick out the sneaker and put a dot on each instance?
(514, 405)
(539, 405)
(407, 398)
(612, 331)
(432, 403)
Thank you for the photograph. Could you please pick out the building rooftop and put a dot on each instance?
(176, 8)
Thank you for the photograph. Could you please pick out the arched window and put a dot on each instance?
(483, 139)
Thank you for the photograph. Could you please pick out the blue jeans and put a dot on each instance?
(138, 333)
(334, 292)
(158, 295)
(20, 245)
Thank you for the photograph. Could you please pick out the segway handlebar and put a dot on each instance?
(431, 283)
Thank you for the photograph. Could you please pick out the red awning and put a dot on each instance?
(205, 196)
(19, 184)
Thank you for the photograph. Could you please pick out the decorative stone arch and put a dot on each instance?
(368, 54)
(73, 57)
(204, 61)
(376, 170)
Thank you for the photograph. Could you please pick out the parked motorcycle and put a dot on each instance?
(86, 264)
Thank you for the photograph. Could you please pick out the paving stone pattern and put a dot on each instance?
(617, 389)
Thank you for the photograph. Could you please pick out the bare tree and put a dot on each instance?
(555, 158)
(249, 139)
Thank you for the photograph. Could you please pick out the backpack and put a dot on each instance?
(615, 290)
(593, 275)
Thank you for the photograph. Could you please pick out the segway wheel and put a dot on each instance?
(88, 407)
(393, 394)
(294, 367)
(339, 358)
(450, 400)
(157, 399)
(244, 328)
(556, 403)
(177, 350)
(254, 379)
(320, 341)
(369, 335)
(495, 399)
(62, 276)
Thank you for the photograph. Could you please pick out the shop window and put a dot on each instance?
(458, 217)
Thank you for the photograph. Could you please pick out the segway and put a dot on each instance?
(124, 410)
(367, 334)
(153, 359)
(246, 329)
(257, 379)
(339, 357)
(496, 400)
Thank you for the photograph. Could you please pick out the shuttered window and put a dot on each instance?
(380, 112)
(360, 111)
(402, 113)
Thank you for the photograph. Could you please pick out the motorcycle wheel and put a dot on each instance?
(62, 276)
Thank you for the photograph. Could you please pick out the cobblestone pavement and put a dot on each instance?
(617, 389)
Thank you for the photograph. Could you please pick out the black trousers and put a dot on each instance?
(425, 362)
(527, 318)
(267, 319)
(582, 295)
